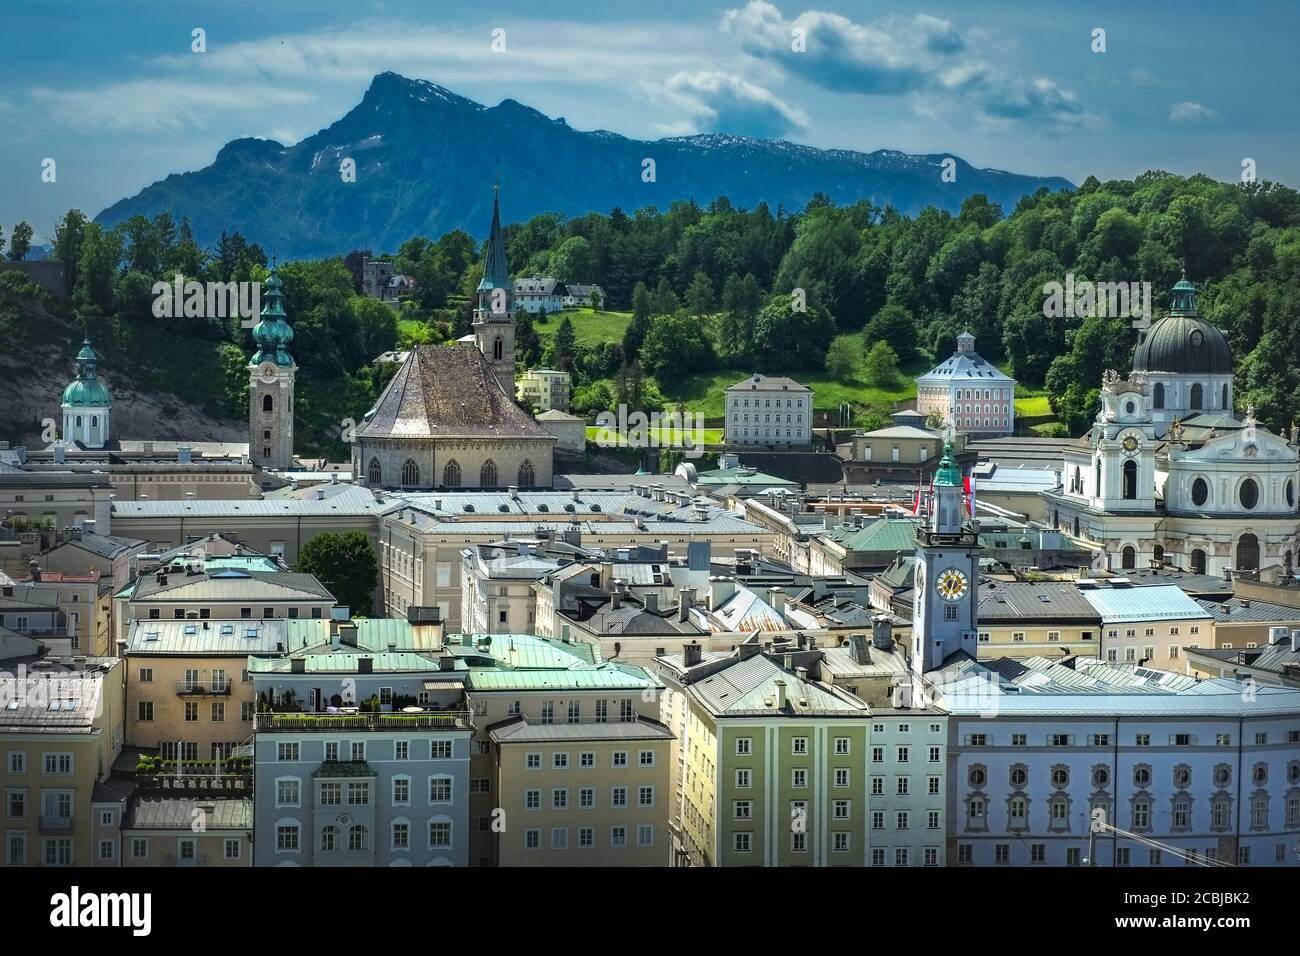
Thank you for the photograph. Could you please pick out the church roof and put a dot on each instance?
(964, 367)
(447, 392)
(1183, 342)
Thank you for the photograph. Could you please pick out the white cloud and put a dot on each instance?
(1188, 113)
(721, 103)
(161, 105)
(942, 69)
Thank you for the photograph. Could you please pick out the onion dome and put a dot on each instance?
(273, 333)
(87, 391)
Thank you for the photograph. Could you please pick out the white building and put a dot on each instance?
(545, 389)
(1204, 491)
(769, 410)
(970, 393)
(539, 294)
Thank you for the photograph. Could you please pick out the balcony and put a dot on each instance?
(201, 688)
(55, 826)
(332, 723)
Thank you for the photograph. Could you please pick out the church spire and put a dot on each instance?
(495, 273)
(273, 333)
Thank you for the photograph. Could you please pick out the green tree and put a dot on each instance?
(675, 346)
(844, 358)
(640, 324)
(699, 297)
(345, 563)
(21, 241)
(785, 338)
(893, 324)
(68, 233)
(881, 365)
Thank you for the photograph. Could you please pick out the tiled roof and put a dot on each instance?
(447, 392)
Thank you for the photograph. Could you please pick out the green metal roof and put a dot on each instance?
(884, 534)
(495, 273)
(87, 391)
(345, 768)
(273, 333)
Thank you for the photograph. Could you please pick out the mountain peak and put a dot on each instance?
(427, 158)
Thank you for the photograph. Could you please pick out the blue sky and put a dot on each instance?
(113, 93)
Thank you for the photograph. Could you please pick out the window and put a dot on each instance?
(799, 746)
(618, 797)
(287, 751)
(560, 760)
(287, 792)
(799, 778)
(286, 838)
(744, 746)
(586, 759)
(618, 837)
(646, 758)
(331, 794)
(144, 710)
(841, 746)
(439, 834)
(619, 758)
(358, 793)
(401, 791)
(440, 790)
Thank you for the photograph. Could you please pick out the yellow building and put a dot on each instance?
(60, 732)
(584, 794)
(188, 690)
(1036, 619)
(570, 765)
(164, 829)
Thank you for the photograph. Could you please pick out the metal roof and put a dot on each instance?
(209, 638)
(156, 812)
(1160, 602)
(747, 688)
(519, 730)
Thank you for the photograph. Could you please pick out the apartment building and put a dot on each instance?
(339, 785)
(769, 410)
(61, 727)
(571, 766)
(772, 768)
(189, 692)
(1150, 625)
(1031, 619)
(545, 389)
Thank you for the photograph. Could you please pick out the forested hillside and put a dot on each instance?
(709, 291)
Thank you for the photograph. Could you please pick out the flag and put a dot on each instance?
(968, 484)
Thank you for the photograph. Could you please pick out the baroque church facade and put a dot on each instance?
(448, 418)
(1168, 474)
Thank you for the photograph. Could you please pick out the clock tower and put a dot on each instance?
(270, 384)
(943, 613)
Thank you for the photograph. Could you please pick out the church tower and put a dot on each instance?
(494, 318)
(270, 384)
(943, 615)
(86, 403)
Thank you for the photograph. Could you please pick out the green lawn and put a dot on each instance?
(590, 327)
(1033, 406)
(665, 436)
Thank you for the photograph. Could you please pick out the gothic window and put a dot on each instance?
(1248, 553)
(451, 475)
(1198, 561)
(1196, 396)
(374, 473)
(526, 476)
(1128, 558)
(267, 403)
(498, 349)
(1130, 480)
(1158, 396)
(1200, 491)
(487, 475)
(410, 474)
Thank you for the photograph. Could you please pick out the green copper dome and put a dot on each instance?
(273, 333)
(87, 391)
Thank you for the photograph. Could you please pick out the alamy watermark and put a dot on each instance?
(207, 300)
(682, 431)
(1081, 300)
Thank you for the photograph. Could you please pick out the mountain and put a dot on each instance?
(426, 160)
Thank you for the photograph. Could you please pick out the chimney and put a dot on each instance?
(184, 455)
(365, 665)
(684, 597)
(801, 673)
(564, 633)
(720, 588)
(606, 575)
(60, 454)
(780, 695)
(692, 653)
(513, 492)
(652, 602)
(298, 665)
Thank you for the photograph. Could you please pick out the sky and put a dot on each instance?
(114, 92)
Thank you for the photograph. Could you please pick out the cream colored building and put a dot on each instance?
(188, 689)
(564, 741)
(570, 431)
(53, 757)
(769, 410)
(1036, 619)
(183, 830)
(544, 389)
(1148, 624)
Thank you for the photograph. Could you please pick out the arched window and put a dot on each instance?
(498, 349)
(358, 838)
(94, 421)
(78, 421)
(1224, 403)
(1158, 396)
(1248, 553)
(329, 839)
(1130, 480)
(1196, 396)
(1198, 561)
(487, 475)
(1076, 527)
(1128, 558)
(526, 477)
(1096, 480)
(451, 474)
(375, 474)
(1200, 492)
(410, 474)
(1158, 552)
(267, 404)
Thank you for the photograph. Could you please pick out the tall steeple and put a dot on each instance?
(271, 383)
(494, 319)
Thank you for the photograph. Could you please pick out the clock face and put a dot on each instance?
(267, 372)
(951, 584)
(1130, 443)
